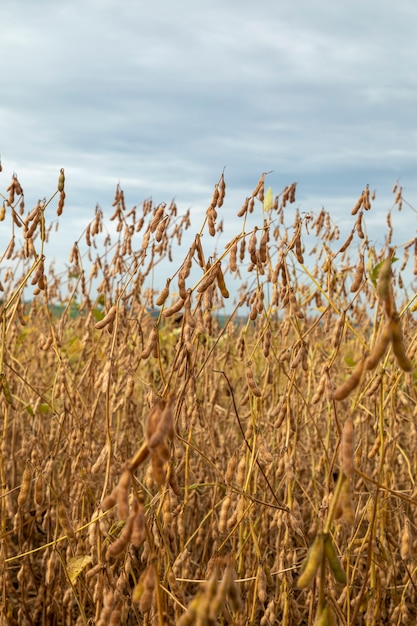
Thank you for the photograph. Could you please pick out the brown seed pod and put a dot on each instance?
(165, 426)
(61, 180)
(347, 448)
(158, 214)
(65, 521)
(220, 281)
(253, 386)
(366, 199)
(208, 278)
(158, 469)
(266, 342)
(24, 492)
(380, 347)
(347, 243)
(398, 346)
(263, 246)
(224, 514)
(122, 541)
(39, 490)
(345, 507)
(233, 258)
(262, 584)
(357, 279)
(109, 501)
(150, 344)
(138, 535)
(318, 394)
(61, 202)
(174, 308)
(161, 228)
(259, 189)
(351, 383)
(244, 208)
(222, 191)
(358, 204)
(298, 250)
(384, 287)
(163, 295)
(122, 494)
(358, 226)
(298, 357)
(406, 541)
(108, 318)
(338, 330)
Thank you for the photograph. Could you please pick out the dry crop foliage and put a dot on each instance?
(180, 468)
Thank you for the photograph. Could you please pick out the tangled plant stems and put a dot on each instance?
(163, 462)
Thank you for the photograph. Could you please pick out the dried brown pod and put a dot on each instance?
(122, 541)
(259, 189)
(338, 330)
(151, 343)
(122, 494)
(358, 226)
(24, 492)
(358, 204)
(319, 391)
(298, 356)
(357, 279)
(61, 180)
(222, 191)
(233, 258)
(398, 346)
(208, 278)
(366, 199)
(345, 507)
(347, 243)
(253, 386)
(298, 250)
(65, 521)
(384, 287)
(406, 541)
(174, 308)
(221, 283)
(108, 318)
(380, 347)
(163, 295)
(61, 202)
(165, 426)
(109, 501)
(244, 208)
(138, 535)
(347, 448)
(262, 584)
(161, 228)
(351, 383)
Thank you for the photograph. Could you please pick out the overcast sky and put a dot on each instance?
(161, 95)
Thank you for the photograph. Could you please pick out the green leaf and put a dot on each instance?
(374, 271)
(98, 315)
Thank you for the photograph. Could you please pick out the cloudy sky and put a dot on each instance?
(161, 95)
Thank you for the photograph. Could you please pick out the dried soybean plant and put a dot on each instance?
(168, 460)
